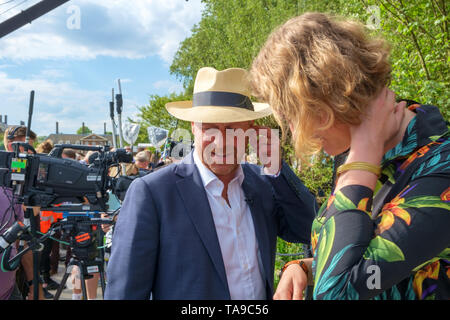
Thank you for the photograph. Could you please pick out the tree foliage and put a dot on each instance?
(84, 130)
(2, 146)
(231, 33)
(155, 114)
(419, 35)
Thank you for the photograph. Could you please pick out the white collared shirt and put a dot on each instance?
(236, 233)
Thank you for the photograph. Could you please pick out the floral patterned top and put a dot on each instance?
(403, 252)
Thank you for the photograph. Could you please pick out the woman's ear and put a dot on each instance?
(325, 119)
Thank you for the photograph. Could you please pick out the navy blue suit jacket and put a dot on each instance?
(165, 242)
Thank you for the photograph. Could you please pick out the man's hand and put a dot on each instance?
(36, 210)
(105, 227)
(292, 284)
(268, 149)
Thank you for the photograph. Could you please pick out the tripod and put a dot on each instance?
(87, 265)
(86, 268)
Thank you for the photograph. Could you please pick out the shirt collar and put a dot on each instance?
(209, 179)
(426, 126)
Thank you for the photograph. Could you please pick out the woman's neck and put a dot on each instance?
(409, 115)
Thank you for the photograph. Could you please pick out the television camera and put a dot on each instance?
(75, 194)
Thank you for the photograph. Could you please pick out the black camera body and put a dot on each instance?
(49, 180)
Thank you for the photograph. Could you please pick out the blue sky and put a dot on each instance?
(73, 56)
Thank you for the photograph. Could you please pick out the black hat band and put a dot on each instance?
(222, 99)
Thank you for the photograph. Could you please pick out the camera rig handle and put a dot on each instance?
(26, 147)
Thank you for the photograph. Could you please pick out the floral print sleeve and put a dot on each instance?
(403, 253)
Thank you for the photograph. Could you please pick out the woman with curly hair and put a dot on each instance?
(384, 231)
(45, 147)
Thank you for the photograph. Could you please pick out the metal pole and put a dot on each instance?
(111, 113)
(119, 106)
(30, 114)
(119, 102)
(28, 15)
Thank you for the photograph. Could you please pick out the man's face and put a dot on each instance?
(219, 153)
(142, 164)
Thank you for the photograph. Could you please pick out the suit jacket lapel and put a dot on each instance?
(197, 206)
(260, 224)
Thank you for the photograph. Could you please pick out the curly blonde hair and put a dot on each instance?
(316, 69)
(45, 147)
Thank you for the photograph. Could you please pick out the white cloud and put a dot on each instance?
(54, 101)
(113, 28)
(50, 74)
(119, 28)
(170, 86)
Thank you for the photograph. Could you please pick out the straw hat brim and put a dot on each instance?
(216, 114)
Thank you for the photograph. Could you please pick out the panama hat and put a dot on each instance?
(220, 97)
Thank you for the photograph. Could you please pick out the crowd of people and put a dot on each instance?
(206, 228)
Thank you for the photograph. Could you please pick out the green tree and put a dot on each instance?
(231, 32)
(418, 32)
(155, 114)
(86, 130)
(2, 146)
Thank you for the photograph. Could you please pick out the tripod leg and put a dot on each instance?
(63, 283)
(36, 275)
(31, 218)
(83, 283)
(102, 280)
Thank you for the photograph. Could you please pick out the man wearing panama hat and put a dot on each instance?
(206, 228)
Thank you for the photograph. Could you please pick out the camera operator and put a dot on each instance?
(9, 214)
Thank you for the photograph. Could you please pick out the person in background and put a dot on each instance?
(45, 258)
(86, 157)
(142, 161)
(69, 154)
(9, 290)
(45, 147)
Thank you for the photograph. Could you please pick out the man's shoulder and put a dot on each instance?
(163, 173)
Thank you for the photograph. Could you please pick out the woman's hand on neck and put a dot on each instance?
(380, 130)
